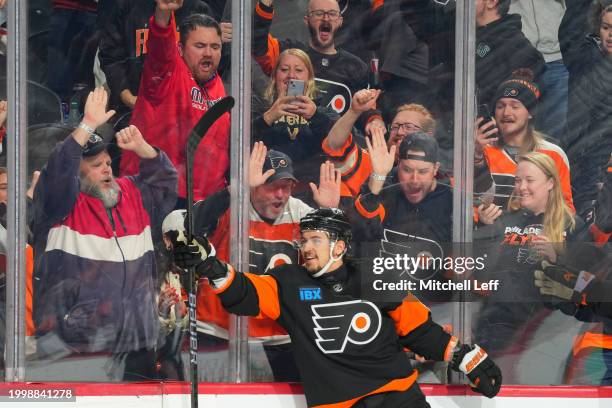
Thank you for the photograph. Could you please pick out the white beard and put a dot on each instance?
(109, 196)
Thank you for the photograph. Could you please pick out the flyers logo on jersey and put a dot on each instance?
(336, 324)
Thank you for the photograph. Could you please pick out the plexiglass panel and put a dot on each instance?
(539, 83)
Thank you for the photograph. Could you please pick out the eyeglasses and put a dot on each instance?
(331, 14)
(407, 127)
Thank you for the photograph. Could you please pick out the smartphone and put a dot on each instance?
(485, 112)
(295, 87)
(483, 198)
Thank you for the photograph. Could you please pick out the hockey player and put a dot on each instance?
(348, 349)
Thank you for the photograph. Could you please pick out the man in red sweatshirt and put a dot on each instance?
(178, 85)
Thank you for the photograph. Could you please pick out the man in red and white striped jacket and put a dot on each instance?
(95, 265)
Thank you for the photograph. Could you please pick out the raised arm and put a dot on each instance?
(162, 58)
(244, 294)
(164, 9)
(59, 184)
(157, 178)
(363, 101)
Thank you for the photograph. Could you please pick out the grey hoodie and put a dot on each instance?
(541, 19)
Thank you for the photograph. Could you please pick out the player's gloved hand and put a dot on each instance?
(562, 282)
(199, 254)
(484, 375)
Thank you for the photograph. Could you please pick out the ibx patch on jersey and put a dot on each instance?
(336, 324)
(310, 294)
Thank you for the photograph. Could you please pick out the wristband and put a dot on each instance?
(378, 177)
(87, 128)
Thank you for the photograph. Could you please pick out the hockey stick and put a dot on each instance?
(197, 134)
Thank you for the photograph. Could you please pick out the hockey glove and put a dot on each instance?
(484, 375)
(200, 254)
(562, 282)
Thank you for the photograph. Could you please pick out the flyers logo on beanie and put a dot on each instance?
(336, 324)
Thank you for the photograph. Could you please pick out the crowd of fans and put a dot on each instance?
(370, 132)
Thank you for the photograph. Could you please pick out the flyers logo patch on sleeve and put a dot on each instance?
(336, 324)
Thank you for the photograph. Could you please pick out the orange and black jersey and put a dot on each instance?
(355, 165)
(270, 245)
(345, 346)
(502, 165)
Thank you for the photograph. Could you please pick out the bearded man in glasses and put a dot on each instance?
(338, 73)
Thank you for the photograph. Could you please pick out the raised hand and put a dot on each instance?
(131, 139)
(95, 108)
(169, 5)
(377, 124)
(256, 164)
(365, 100)
(327, 195)
(164, 10)
(381, 156)
(226, 32)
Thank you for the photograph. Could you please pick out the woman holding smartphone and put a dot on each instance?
(537, 226)
(288, 118)
(498, 142)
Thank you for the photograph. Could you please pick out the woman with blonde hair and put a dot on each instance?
(499, 142)
(293, 124)
(536, 226)
(557, 215)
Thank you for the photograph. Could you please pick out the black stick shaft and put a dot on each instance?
(195, 137)
(193, 335)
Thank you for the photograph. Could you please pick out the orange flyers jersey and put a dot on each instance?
(503, 168)
(270, 245)
(354, 164)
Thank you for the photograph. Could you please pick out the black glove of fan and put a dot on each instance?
(484, 375)
(200, 254)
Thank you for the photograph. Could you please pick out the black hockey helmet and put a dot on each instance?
(331, 220)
